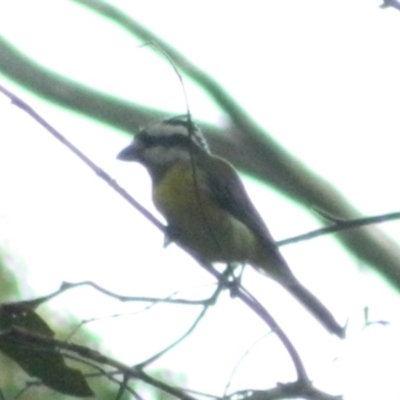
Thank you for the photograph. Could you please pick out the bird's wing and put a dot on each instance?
(229, 193)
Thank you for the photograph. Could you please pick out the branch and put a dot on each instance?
(45, 342)
(228, 384)
(97, 170)
(201, 315)
(341, 226)
(125, 115)
(67, 286)
(238, 291)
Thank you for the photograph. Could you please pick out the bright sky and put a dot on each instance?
(322, 77)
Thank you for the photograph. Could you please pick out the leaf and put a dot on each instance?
(42, 361)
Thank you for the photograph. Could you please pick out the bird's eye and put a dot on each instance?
(147, 140)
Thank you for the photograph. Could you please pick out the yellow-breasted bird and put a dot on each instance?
(207, 208)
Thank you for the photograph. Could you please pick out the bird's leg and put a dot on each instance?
(170, 235)
(233, 278)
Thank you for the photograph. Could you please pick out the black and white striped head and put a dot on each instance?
(165, 142)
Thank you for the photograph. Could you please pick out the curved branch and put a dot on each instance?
(56, 88)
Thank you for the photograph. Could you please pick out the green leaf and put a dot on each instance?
(42, 361)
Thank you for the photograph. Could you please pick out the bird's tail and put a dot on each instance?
(276, 268)
(269, 260)
(314, 306)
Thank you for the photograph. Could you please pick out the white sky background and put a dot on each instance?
(322, 77)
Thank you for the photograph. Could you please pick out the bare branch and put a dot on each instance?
(97, 170)
(341, 225)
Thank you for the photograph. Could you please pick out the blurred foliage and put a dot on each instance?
(50, 366)
(42, 361)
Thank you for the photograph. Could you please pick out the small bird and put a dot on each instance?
(207, 208)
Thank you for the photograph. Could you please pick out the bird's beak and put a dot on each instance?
(129, 153)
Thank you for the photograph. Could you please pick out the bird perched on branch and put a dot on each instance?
(207, 208)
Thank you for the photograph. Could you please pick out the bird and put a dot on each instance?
(207, 208)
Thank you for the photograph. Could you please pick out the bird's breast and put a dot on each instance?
(200, 223)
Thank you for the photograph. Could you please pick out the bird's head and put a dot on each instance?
(164, 143)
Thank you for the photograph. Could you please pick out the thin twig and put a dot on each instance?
(340, 226)
(256, 306)
(167, 299)
(155, 357)
(123, 386)
(67, 286)
(240, 361)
